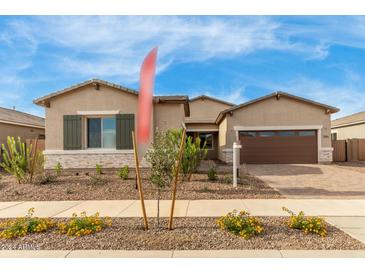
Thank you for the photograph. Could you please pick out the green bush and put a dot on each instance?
(123, 172)
(194, 152)
(84, 225)
(24, 225)
(212, 174)
(58, 168)
(241, 224)
(98, 169)
(315, 225)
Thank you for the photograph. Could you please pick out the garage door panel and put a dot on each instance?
(278, 149)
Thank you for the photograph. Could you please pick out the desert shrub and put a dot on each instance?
(240, 223)
(84, 225)
(315, 225)
(227, 179)
(97, 180)
(123, 172)
(58, 168)
(212, 174)
(22, 226)
(45, 179)
(98, 169)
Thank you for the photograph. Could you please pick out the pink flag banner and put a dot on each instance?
(145, 101)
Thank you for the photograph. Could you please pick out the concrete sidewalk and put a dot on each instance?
(182, 253)
(187, 208)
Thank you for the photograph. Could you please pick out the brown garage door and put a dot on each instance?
(279, 147)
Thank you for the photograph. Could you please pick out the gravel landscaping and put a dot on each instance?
(353, 166)
(69, 186)
(189, 234)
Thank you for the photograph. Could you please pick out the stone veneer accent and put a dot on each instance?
(89, 158)
(325, 155)
(227, 155)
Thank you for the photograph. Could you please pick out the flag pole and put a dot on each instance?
(182, 143)
(140, 191)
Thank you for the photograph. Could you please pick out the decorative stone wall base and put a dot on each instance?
(325, 155)
(226, 155)
(88, 159)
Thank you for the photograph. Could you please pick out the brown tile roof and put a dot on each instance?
(276, 94)
(17, 117)
(349, 120)
(211, 98)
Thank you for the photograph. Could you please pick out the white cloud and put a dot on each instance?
(115, 46)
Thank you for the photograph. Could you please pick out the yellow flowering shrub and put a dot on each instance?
(240, 223)
(315, 225)
(84, 225)
(22, 226)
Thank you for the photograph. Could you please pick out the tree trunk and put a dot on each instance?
(158, 207)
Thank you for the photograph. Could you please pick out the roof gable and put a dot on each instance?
(278, 94)
(205, 97)
(172, 99)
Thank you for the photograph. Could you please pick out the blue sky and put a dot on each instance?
(232, 58)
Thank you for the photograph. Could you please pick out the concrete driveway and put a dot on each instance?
(312, 181)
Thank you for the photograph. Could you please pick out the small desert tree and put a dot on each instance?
(162, 157)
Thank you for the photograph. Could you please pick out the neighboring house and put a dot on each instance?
(348, 127)
(92, 122)
(15, 123)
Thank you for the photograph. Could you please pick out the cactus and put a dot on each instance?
(16, 157)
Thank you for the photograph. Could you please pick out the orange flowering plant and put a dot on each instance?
(240, 223)
(84, 225)
(315, 225)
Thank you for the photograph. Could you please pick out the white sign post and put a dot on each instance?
(236, 158)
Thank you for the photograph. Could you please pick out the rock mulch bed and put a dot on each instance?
(69, 186)
(189, 234)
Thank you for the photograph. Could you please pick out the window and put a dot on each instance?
(286, 133)
(101, 132)
(206, 138)
(266, 133)
(305, 133)
(334, 136)
(248, 133)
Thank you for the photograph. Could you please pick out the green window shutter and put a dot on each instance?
(71, 132)
(125, 126)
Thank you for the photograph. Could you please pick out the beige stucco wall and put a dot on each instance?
(273, 112)
(205, 109)
(201, 127)
(16, 130)
(348, 132)
(168, 116)
(84, 99)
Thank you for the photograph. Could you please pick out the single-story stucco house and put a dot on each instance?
(91, 123)
(19, 124)
(348, 127)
